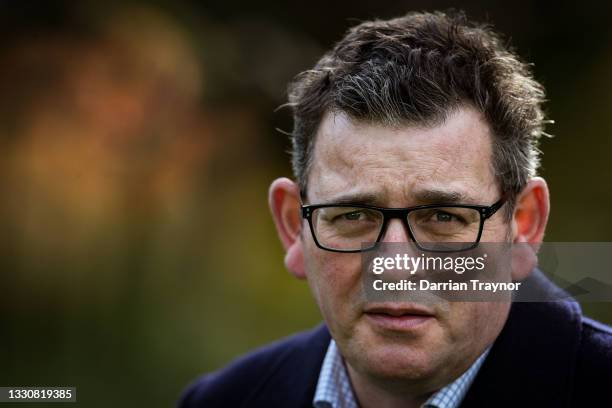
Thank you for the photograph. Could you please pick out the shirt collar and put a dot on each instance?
(334, 388)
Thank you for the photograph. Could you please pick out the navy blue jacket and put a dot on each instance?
(547, 355)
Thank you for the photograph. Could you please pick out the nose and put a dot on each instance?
(396, 232)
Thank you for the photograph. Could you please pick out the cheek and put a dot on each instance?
(335, 281)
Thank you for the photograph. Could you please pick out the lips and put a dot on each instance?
(398, 317)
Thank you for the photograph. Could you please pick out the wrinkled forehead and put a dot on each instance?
(403, 165)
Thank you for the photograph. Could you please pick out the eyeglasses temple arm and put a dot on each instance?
(496, 206)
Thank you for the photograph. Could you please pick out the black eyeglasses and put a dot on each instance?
(433, 227)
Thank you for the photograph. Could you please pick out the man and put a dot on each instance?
(423, 110)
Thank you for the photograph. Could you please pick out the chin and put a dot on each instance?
(392, 363)
(395, 357)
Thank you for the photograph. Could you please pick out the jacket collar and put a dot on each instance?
(532, 361)
(294, 378)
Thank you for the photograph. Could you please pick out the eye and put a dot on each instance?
(352, 216)
(349, 216)
(445, 217)
(441, 216)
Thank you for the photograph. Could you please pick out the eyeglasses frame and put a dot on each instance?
(485, 212)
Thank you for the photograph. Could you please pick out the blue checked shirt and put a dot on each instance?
(334, 389)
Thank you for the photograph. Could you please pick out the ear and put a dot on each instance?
(284, 201)
(528, 225)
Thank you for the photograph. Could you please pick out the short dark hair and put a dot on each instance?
(416, 69)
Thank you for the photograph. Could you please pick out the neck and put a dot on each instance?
(372, 393)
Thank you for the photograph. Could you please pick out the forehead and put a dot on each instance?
(400, 166)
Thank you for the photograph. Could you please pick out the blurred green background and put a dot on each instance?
(138, 141)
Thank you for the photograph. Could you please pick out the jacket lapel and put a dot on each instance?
(294, 379)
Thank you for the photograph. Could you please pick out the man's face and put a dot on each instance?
(402, 167)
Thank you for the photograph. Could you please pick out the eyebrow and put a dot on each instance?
(356, 198)
(429, 196)
(440, 196)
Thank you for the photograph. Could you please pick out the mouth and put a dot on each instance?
(398, 317)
